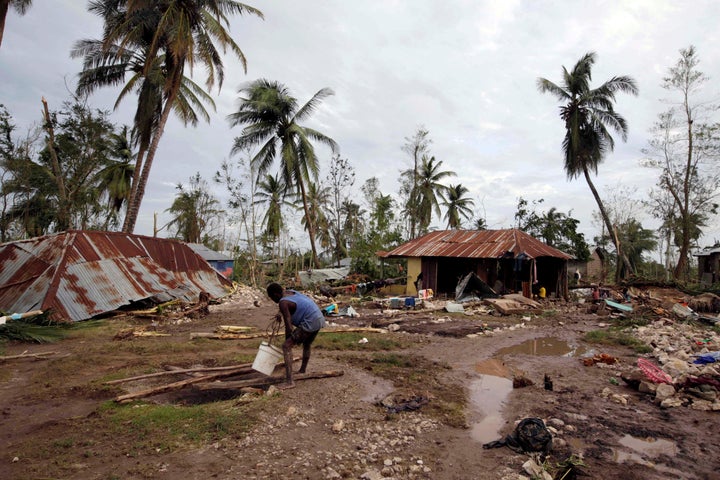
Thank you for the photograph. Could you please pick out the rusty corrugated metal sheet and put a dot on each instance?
(79, 274)
(476, 244)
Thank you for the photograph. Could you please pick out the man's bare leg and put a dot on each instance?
(287, 354)
(305, 358)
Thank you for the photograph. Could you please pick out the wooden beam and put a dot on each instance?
(179, 370)
(257, 382)
(180, 384)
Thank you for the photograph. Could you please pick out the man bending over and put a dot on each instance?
(299, 311)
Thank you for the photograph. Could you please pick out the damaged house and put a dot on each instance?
(506, 260)
(77, 275)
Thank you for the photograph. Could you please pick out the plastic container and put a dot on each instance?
(267, 357)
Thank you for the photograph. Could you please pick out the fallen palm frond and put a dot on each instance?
(22, 331)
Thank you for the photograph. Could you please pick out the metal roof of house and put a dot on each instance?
(476, 244)
(708, 251)
(209, 254)
(79, 274)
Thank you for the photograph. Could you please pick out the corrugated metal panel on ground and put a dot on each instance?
(80, 274)
(476, 244)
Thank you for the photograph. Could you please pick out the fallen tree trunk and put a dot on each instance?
(257, 382)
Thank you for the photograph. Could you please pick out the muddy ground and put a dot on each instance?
(52, 408)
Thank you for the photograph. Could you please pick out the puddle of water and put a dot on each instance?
(644, 449)
(576, 444)
(487, 395)
(650, 447)
(376, 389)
(546, 346)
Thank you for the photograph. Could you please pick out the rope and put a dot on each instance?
(272, 329)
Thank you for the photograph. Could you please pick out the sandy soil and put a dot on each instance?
(334, 428)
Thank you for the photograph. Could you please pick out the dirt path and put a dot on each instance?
(333, 427)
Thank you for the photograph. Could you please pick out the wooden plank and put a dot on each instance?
(618, 306)
(257, 382)
(179, 371)
(181, 384)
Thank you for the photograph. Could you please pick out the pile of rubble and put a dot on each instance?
(685, 353)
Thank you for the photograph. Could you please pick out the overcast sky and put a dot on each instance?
(466, 70)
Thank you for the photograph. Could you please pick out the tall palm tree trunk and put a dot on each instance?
(136, 199)
(4, 5)
(611, 230)
(310, 224)
(133, 189)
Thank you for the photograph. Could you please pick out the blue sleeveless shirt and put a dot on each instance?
(307, 314)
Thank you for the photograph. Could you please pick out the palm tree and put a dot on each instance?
(587, 114)
(457, 205)
(20, 6)
(352, 223)
(193, 210)
(318, 199)
(271, 119)
(480, 224)
(428, 190)
(173, 34)
(114, 181)
(271, 192)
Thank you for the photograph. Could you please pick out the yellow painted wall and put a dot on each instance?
(414, 267)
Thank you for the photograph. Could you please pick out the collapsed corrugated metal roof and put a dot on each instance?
(476, 244)
(319, 275)
(77, 275)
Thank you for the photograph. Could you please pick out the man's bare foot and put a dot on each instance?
(286, 386)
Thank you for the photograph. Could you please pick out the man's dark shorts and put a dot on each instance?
(300, 336)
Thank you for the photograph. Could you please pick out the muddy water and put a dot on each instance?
(489, 392)
(546, 346)
(644, 450)
(650, 447)
(375, 388)
(487, 396)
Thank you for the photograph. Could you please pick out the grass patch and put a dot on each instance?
(617, 336)
(351, 341)
(629, 322)
(419, 375)
(151, 429)
(134, 430)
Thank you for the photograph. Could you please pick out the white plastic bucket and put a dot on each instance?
(267, 357)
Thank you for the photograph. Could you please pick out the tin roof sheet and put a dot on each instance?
(476, 244)
(79, 274)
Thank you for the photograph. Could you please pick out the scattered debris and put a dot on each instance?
(521, 381)
(653, 372)
(24, 355)
(599, 358)
(396, 403)
(514, 304)
(548, 384)
(19, 316)
(530, 435)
